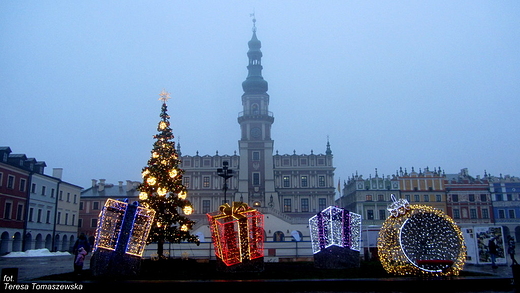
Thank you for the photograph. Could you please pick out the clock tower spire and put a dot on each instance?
(256, 177)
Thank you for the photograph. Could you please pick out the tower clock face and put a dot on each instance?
(256, 132)
(429, 241)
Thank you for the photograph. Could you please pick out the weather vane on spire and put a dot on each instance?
(254, 20)
(165, 96)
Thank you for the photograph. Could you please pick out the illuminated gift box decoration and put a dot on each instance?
(335, 227)
(237, 233)
(123, 227)
(420, 240)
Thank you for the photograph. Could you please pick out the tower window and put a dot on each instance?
(321, 181)
(304, 181)
(286, 181)
(256, 179)
(256, 156)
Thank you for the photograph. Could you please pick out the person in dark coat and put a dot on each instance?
(511, 249)
(492, 247)
(81, 248)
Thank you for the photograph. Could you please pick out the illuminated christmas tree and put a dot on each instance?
(162, 189)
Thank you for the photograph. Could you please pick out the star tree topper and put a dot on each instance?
(165, 96)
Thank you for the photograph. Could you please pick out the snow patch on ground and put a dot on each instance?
(36, 253)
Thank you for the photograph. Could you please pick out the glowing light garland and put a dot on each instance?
(420, 240)
(335, 226)
(237, 233)
(123, 227)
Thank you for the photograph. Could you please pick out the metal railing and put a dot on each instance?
(205, 250)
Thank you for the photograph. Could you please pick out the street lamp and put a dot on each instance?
(225, 173)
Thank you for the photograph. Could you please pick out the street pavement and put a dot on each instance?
(30, 268)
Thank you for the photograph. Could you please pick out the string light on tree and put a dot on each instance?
(420, 240)
(162, 189)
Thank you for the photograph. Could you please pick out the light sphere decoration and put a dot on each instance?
(420, 240)
(335, 226)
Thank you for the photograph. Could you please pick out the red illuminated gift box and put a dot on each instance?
(237, 233)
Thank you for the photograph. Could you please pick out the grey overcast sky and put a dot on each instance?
(392, 83)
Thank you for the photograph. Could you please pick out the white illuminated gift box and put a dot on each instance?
(335, 226)
(123, 227)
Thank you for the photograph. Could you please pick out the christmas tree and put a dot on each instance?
(162, 189)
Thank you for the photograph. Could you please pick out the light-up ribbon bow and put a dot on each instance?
(398, 206)
(234, 211)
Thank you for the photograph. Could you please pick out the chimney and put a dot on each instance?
(94, 183)
(57, 172)
(101, 185)
(120, 184)
(128, 185)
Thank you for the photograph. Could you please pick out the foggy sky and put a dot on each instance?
(391, 83)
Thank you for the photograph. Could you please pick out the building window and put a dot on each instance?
(426, 197)
(416, 197)
(438, 198)
(186, 181)
(256, 156)
(68, 196)
(370, 214)
(206, 206)
(22, 185)
(19, 213)
(256, 179)
(473, 213)
(382, 214)
(1, 176)
(31, 212)
(483, 197)
(381, 197)
(286, 181)
(511, 214)
(471, 197)
(407, 197)
(456, 213)
(321, 181)
(39, 216)
(485, 213)
(205, 181)
(95, 205)
(10, 182)
(499, 197)
(501, 214)
(33, 188)
(509, 197)
(305, 204)
(48, 217)
(52, 192)
(58, 218)
(287, 205)
(304, 181)
(7, 210)
(43, 190)
(322, 203)
(75, 198)
(455, 198)
(369, 197)
(93, 223)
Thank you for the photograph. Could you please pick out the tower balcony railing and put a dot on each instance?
(256, 115)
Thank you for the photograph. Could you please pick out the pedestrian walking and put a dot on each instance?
(492, 248)
(511, 249)
(81, 248)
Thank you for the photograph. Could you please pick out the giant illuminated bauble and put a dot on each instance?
(421, 240)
